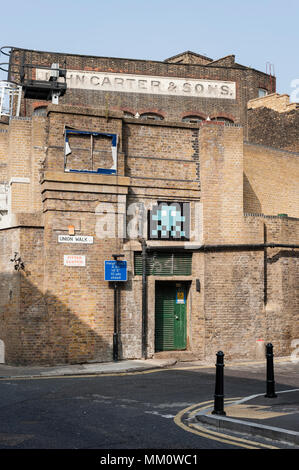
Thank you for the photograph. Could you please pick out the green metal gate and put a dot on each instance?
(170, 316)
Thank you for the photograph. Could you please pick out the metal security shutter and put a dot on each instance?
(164, 320)
(164, 264)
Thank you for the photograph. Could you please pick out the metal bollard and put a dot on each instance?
(219, 387)
(270, 372)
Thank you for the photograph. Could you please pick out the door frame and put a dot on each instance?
(186, 281)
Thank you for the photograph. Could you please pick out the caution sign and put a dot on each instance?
(74, 260)
(180, 296)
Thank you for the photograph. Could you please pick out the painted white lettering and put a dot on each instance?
(155, 84)
(187, 87)
(80, 79)
(119, 81)
(172, 86)
(142, 84)
(69, 79)
(106, 81)
(199, 88)
(95, 80)
(224, 90)
(130, 82)
(150, 84)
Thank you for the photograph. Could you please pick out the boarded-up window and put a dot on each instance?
(94, 152)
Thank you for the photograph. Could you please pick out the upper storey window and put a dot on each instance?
(40, 111)
(192, 119)
(152, 116)
(222, 119)
(262, 92)
(127, 114)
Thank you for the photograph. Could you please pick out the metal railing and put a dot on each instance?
(10, 99)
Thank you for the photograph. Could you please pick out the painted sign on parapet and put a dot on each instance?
(74, 260)
(115, 270)
(75, 239)
(155, 85)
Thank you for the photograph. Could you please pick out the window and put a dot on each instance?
(222, 119)
(153, 116)
(88, 151)
(262, 92)
(192, 119)
(164, 264)
(169, 221)
(40, 111)
(127, 114)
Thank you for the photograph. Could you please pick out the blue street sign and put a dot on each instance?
(115, 270)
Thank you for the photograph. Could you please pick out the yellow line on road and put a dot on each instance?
(149, 371)
(82, 376)
(201, 431)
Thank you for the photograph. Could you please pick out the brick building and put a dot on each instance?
(168, 164)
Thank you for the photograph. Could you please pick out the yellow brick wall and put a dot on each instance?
(280, 103)
(270, 181)
(52, 313)
(221, 175)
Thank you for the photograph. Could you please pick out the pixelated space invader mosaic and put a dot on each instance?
(169, 221)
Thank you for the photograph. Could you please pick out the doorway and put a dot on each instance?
(170, 316)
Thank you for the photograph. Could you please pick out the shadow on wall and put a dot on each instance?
(251, 202)
(283, 254)
(38, 329)
(2, 352)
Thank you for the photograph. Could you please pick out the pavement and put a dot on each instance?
(116, 367)
(275, 418)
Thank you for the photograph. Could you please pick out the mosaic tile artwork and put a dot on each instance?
(169, 221)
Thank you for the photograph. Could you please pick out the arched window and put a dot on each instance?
(153, 116)
(192, 118)
(40, 111)
(222, 119)
(127, 114)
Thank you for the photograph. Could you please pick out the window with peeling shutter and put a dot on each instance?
(164, 264)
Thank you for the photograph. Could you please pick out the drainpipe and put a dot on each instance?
(144, 298)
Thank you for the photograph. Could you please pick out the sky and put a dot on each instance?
(262, 34)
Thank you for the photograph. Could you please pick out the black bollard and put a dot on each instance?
(270, 372)
(219, 387)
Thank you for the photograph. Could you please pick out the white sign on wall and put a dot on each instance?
(74, 239)
(74, 260)
(129, 83)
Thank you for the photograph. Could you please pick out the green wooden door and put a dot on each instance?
(170, 317)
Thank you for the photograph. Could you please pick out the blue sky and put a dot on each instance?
(256, 31)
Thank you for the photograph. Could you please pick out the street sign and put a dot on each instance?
(115, 270)
(74, 239)
(74, 260)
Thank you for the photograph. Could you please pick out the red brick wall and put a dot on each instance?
(247, 83)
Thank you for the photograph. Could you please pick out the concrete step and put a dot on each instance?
(182, 356)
